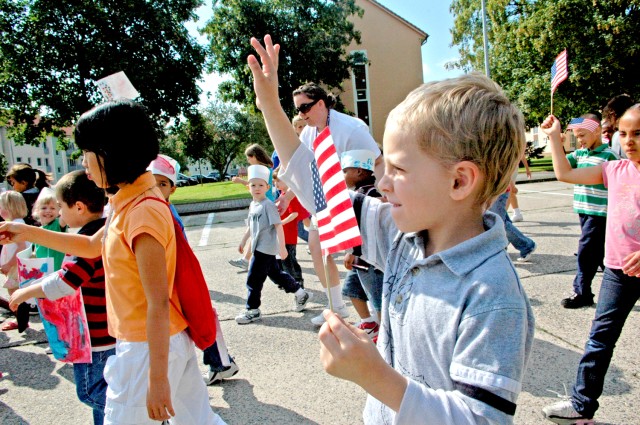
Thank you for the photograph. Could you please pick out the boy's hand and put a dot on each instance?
(17, 298)
(241, 248)
(348, 261)
(159, 405)
(283, 254)
(265, 78)
(551, 126)
(4, 269)
(346, 351)
(631, 265)
(13, 232)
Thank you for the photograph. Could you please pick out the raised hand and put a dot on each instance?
(265, 77)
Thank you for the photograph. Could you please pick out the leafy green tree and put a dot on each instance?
(525, 37)
(218, 134)
(52, 51)
(314, 35)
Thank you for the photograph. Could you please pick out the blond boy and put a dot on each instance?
(456, 327)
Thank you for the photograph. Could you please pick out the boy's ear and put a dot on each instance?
(466, 180)
(80, 207)
(173, 189)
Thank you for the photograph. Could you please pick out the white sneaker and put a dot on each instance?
(341, 311)
(564, 413)
(517, 217)
(527, 256)
(301, 303)
(211, 377)
(248, 316)
(240, 263)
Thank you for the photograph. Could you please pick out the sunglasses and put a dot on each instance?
(306, 107)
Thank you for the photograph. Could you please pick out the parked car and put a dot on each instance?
(184, 180)
(203, 179)
(214, 175)
(230, 174)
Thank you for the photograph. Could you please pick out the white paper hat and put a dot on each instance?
(360, 158)
(165, 166)
(258, 172)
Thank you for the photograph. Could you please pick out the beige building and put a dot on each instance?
(392, 47)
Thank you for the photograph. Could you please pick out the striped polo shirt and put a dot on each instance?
(590, 199)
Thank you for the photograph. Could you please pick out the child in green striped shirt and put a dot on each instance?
(590, 202)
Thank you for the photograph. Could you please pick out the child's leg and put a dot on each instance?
(519, 241)
(291, 265)
(352, 288)
(258, 270)
(91, 387)
(280, 277)
(371, 281)
(618, 295)
(127, 375)
(302, 232)
(590, 252)
(216, 356)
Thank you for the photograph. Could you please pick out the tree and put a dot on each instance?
(314, 35)
(525, 37)
(52, 51)
(218, 134)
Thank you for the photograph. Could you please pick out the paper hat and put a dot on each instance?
(585, 123)
(258, 172)
(165, 166)
(117, 86)
(360, 158)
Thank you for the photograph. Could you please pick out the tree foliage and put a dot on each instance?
(52, 51)
(526, 36)
(313, 34)
(218, 134)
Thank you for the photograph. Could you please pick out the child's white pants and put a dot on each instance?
(127, 375)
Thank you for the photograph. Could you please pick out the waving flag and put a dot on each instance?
(337, 222)
(559, 70)
(585, 123)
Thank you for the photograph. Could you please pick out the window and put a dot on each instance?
(360, 81)
(39, 162)
(18, 159)
(59, 170)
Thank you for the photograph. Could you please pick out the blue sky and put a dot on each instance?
(433, 17)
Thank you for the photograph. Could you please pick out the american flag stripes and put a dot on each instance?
(337, 222)
(585, 123)
(559, 70)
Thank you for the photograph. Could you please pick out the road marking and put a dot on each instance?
(204, 239)
(544, 193)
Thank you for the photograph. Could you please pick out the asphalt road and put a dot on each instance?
(281, 380)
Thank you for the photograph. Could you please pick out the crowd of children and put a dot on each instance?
(444, 319)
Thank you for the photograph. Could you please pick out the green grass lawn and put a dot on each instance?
(542, 164)
(209, 192)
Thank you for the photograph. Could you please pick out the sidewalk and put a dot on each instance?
(238, 204)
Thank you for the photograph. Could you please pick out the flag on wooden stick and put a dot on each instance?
(559, 70)
(337, 222)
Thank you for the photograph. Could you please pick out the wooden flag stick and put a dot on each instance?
(326, 279)
(551, 103)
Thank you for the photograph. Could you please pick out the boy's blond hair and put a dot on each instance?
(14, 203)
(46, 196)
(468, 118)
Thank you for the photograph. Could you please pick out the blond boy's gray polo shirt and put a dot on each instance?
(457, 324)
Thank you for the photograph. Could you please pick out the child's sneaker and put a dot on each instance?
(371, 328)
(577, 301)
(517, 217)
(564, 413)
(527, 256)
(340, 311)
(248, 316)
(301, 302)
(240, 263)
(212, 377)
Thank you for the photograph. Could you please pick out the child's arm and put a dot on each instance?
(13, 260)
(239, 180)
(561, 166)
(282, 247)
(150, 258)
(348, 353)
(289, 218)
(21, 295)
(243, 242)
(526, 166)
(70, 243)
(265, 85)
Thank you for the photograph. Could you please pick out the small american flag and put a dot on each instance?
(559, 70)
(337, 222)
(585, 123)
